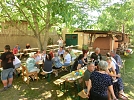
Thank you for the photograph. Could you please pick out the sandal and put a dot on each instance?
(123, 97)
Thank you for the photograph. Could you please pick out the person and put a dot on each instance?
(117, 58)
(116, 67)
(78, 63)
(85, 60)
(67, 58)
(87, 73)
(57, 64)
(99, 83)
(52, 53)
(47, 67)
(43, 55)
(28, 46)
(37, 57)
(96, 56)
(18, 47)
(73, 56)
(6, 60)
(17, 64)
(118, 84)
(61, 51)
(15, 50)
(60, 41)
(30, 64)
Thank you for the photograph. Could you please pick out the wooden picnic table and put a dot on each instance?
(72, 75)
(52, 46)
(18, 54)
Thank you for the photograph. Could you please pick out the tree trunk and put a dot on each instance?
(46, 39)
(39, 43)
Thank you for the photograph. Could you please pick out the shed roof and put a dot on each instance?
(98, 32)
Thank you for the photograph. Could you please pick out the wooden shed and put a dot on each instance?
(105, 40)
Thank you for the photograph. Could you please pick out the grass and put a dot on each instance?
(43, 90)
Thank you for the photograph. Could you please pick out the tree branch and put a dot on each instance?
(11, 19)
(26, 18)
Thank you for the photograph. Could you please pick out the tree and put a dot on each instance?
(117, 17)
(41, 15)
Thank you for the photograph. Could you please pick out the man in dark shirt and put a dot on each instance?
(87, 73)
(6, 60)
(96, 56)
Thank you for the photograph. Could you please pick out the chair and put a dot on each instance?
(27, 74)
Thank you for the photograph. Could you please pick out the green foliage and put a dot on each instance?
(117, 15)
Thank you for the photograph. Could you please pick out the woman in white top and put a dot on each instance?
(60, 41)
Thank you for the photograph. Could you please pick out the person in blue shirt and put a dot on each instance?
(30, 64)
(57, 64)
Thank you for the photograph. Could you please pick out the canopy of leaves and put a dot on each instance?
(116, 16)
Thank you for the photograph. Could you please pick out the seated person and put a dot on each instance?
(96, 56)
(15, 50)
(118, 84)
(61, 51)
(52, 53)
(37, 57)
(47, 68)
(30, 64)
(73, 56)
(18, 47)
(67, 58)
(116, 67)
(16, 64)
(28, 46)
(85, 60)
(57, 64)
(117, 58)
(78, 63)
(87, 73)
(43, 55)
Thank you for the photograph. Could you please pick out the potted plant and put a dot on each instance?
(84, 48)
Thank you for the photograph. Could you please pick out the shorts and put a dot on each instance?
(6, 73)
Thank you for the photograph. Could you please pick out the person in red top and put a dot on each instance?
(52, 53)
(6, 60)
(15, 50)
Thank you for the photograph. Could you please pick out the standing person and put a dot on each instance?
(96, 56)
(6, 60)
(99, 84)
(60, 41)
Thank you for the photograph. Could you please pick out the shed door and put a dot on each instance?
(71, 39)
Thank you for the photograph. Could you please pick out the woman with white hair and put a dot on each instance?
(99, 83)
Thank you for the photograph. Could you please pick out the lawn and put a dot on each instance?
(43, 90)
